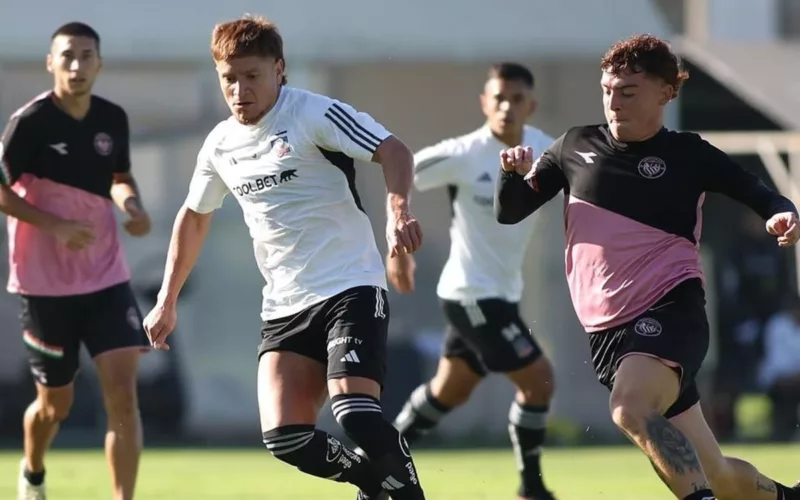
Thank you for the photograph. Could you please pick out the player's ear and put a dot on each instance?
(667, 91)
(49, 62)
(532, 108)
(280, 68)
(482, 100)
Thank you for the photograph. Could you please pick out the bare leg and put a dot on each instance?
(117, 372)
(41, 422)
(290, 389)
(644, 388)
(730, 478)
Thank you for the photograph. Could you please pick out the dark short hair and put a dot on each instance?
(512, 71)
(76, 28)
(646, 54)
(248, 36)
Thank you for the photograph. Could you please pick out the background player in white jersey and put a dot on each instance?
(287, 155)
(481, 283)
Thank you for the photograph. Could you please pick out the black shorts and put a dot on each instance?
(53, 329)
(347, 332)
(674, 330)
(489, 335)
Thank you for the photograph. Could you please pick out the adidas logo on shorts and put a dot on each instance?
(350, 357)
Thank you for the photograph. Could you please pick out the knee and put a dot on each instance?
(537, 384)
(630, 409)
(354, 412)
(54, 407)
(361, 418)
(287, 442)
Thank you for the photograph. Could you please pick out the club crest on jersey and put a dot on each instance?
(652, 167)
(279, 147)
(103, 144)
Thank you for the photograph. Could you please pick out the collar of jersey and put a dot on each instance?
(633, 146)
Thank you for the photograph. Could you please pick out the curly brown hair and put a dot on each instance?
(646, 54)
(248, 36)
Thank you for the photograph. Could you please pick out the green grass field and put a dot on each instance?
(577, 474)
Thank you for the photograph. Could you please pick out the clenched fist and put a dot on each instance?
(786, 227)
(518, 159)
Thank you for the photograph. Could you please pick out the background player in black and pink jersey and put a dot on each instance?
(65, 165)
(634, 192)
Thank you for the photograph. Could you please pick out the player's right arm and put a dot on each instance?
(207, 191)
(18, 148)
(524, 185)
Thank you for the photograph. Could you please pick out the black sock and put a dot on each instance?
(701, 495)
(319, 454)
(787, 493)
(361, 417)
(421, 413)
(527, 426)
(33, 478)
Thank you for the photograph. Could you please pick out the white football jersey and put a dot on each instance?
(485, 256)
(293, 175)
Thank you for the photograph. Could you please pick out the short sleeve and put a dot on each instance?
(339, 127)
(17, 149)
(123, 164)
(207, 190)
(438, 165)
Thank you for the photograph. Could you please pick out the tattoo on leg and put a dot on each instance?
(672, 447)
(764, 484)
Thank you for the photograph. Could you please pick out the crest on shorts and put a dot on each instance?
(652, 167)
(133, 318)
(647, 327)
(103, 144)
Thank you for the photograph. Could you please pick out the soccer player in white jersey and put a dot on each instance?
(286, 155)
(481, 283)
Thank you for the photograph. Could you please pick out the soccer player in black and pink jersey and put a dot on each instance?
(634, 192)
(66, 164)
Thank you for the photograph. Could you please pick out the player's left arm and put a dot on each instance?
(124, 190)
(342, 128)
(725, 176)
